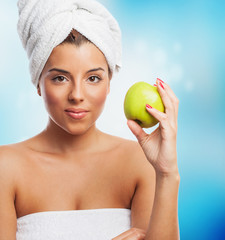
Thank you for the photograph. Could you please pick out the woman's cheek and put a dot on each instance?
(52, 100)
(99, 97)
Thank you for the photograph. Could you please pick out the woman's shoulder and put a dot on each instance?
(119, 143)
(14, 159)
(9, 154)
(131, 154)
(126, 148)
(9, 165)
(13, 154)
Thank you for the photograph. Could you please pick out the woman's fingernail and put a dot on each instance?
(161, 85)
(155, 85)
(148, 106)
(160, 80)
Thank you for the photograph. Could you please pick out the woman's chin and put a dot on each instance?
(74, 128)
(78, 129)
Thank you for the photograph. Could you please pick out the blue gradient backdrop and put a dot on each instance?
(182, 42)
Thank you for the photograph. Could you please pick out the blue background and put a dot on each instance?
(181, 42)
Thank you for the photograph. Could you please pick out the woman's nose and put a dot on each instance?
(76, 93)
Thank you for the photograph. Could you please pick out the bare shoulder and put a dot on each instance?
(11, 152)
(7, 155)
(9, 159)
(121, 143)
(144, 170)
(131, 152)
(12, 158)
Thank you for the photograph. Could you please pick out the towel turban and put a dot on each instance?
(44, 24)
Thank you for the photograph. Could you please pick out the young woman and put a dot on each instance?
(73, 181)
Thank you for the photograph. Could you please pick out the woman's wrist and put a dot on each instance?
(167, 176)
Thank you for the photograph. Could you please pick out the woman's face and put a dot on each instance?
(74, 85)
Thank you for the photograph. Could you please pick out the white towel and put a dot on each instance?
(44, 24)
(93, 224)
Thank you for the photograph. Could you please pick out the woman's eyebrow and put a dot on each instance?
(96, 69)
(59, 70)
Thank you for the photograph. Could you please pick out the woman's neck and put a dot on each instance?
(59, 141)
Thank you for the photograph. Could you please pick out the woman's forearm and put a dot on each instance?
(163, 223)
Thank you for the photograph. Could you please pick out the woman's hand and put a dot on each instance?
(132, 234)
(160, 146)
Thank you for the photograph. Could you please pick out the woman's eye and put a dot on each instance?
(94, 79)
(59, 79)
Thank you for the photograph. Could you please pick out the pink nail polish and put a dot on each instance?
(155, 85)
(148, 106)
(161, 85)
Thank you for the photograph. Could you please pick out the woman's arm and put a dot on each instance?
(160, 150)
(164, 217)
(8, 219)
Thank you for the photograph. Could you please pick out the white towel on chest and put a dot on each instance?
(44, 24)
(94, 224)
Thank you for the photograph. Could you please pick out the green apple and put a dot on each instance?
(138, 95)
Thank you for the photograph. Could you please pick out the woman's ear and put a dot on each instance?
(38, 90)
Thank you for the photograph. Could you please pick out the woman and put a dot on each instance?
(73, 181)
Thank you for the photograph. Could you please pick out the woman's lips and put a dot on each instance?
(76, 113)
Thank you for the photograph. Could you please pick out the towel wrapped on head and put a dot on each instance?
(44, 24)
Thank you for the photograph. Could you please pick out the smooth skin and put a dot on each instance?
(72, 165)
